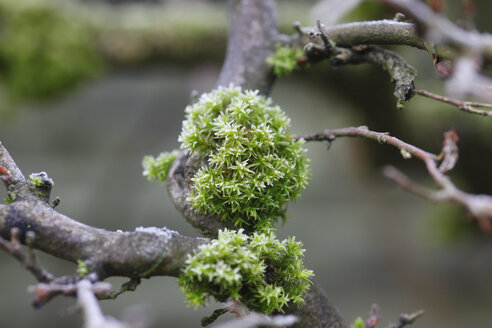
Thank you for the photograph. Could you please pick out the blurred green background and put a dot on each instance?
(366, 240)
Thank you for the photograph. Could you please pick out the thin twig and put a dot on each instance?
(93, 316)
(363, 131)
(407, 184)
(479, 206)
(406, 319)
(374, 318)
(67, 286)
(472, 49)
(466, 106)
(29, 261)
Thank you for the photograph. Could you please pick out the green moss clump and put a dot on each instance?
(43, 52)
(36, 180)
(258, 270)
(254, 164)
(156, 168)
(82, 268)
(358, 323)
(285, 60)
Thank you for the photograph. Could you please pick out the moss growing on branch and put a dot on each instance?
(156, 168)
(258, 270)
(251, 167)
(285, 60)
(254, 164)
(358, 323)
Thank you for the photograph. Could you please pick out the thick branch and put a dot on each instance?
(440, 30)
(317, 311)
(375, 32)
(402, 74)
(11, 175)
(144, 252)
(252, 37)
(380, 32)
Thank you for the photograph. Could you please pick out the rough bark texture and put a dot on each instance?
(141, 253)
(375, 32)
(317, 311)
(144, 252)
(402, 74)
(252, 37)
(179, 186)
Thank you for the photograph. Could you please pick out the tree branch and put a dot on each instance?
(406, 319)
(179, 185)
(479, 206)
(93, 316)
(439, 30)
(380, 32)
(108, 253)
(144, 252)
(466, 106)
(30, 261)
(252, 37)
(402, 74)
(471, 47)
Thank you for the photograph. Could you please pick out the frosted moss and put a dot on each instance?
(252, 167)
(156, 168)
(254, 164)
(259, 271)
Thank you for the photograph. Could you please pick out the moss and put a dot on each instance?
(156, 168)
(42, 51)
(254, 164)
(285, 60)
(258, 270)
(82, 268)
(11, 197)
(358, 323)
(36, 180)
(251, 166)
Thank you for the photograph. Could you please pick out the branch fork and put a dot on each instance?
(479, 206)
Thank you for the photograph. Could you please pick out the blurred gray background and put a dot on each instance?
(366, 240)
